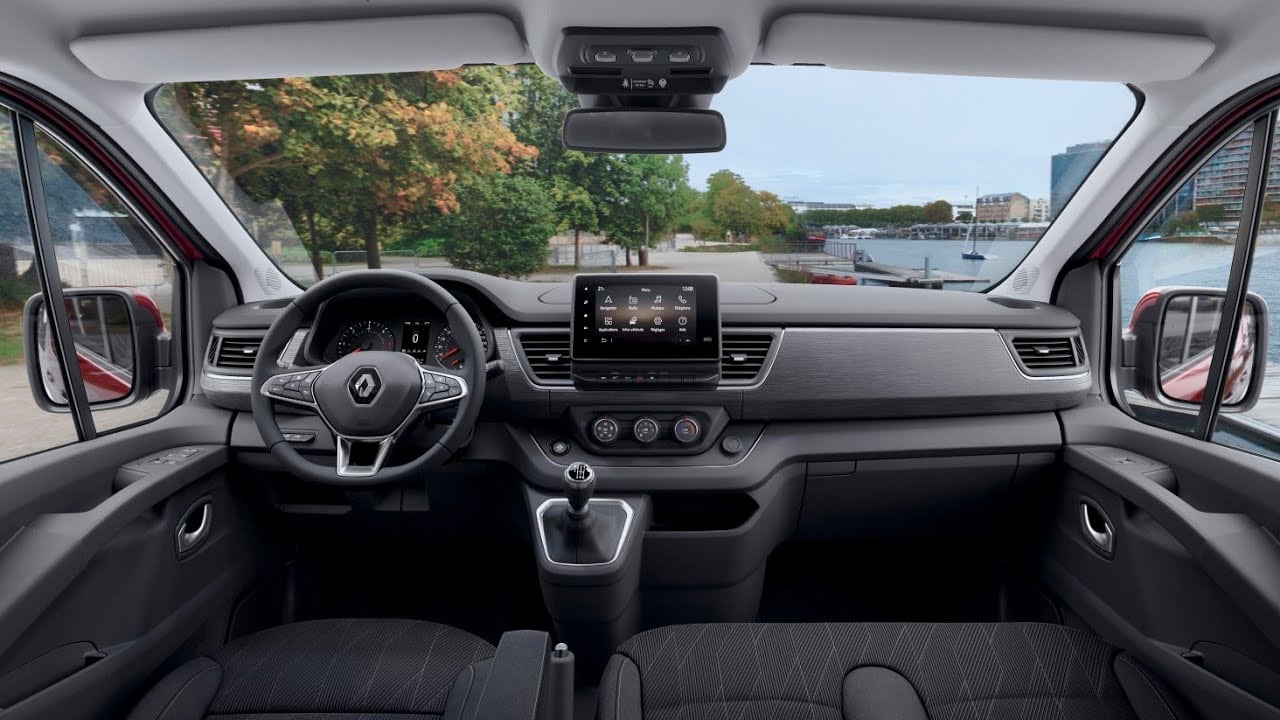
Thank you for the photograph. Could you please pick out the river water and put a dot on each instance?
(1148, 265)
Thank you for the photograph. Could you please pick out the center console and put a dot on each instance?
(630, 334)
(645, 330)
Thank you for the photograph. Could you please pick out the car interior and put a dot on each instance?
(628, 493)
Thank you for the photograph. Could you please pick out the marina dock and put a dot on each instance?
(843, 260)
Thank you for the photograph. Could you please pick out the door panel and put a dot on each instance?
(1192, 584)
(95, 593)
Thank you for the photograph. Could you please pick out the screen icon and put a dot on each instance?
(608, 321)
(683, 321)
(681, 300)
(633, 320)
(633, 300)
(657, 300)
(658, 321)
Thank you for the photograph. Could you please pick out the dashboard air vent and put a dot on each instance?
(1049, 355)
(235, 353)
(743, 357)
(547, 354)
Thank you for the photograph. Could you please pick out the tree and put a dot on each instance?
(644, 196)
(361, 150)
(964, 217)
(501, 226)
(938, 211)
(1211, 213)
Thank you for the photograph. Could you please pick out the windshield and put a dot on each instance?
(828, 176)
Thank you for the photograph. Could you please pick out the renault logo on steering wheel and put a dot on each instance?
(364, 385)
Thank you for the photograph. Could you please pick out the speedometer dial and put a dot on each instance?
(449, 354)
(365, 336)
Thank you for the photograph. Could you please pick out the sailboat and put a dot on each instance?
(970, 239)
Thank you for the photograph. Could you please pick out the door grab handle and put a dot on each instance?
(194, 526)
(1097, 528)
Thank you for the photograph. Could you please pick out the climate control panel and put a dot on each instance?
(658, 430)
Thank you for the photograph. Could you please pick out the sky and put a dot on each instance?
(818, 134)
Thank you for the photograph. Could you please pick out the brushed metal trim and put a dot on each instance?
(622, 539)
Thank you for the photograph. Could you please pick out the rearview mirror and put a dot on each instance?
(644, 130)
(119, 338)
(1170, 347)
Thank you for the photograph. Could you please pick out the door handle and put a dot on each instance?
(1097, 528)
(194, 526)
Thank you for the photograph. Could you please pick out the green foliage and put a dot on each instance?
(896, 216)
(938, 211)
(501, 227)
(731, 206)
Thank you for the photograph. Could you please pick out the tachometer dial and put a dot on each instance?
(365, 336)
(447, 352)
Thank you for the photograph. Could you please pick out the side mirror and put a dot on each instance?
(1169, 345)
(120, 345)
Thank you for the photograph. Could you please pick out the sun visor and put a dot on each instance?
(952, 47)
(338, 47)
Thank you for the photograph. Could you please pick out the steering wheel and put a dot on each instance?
(368, 399)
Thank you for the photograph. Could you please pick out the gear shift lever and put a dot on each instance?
(579, 484)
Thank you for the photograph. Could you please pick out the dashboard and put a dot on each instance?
(384, 321)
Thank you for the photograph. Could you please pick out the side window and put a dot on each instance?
(26, 427)
(1167, 328)
(118, 288)
(100, 243)
(1256, 426)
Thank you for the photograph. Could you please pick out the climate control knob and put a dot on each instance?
(605, 430)
(645, 430)
(686, 430)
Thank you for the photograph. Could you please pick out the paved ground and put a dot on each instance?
(27, 429)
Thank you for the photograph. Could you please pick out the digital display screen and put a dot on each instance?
(415, 340)
(651, 317)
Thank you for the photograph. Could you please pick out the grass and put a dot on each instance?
(792, 276)
(722, 248)
(621, 268)
(10, 336)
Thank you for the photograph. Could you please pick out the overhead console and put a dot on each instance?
(642, 331)
(631, 67)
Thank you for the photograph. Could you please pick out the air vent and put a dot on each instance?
(547, 356)
(1048, 354)
(235, 353)
(743, 357)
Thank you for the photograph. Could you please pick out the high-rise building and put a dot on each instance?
(1003, 207)
(1221, 180)
(1068, 169)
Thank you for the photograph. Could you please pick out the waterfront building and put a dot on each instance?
(1068, 169)
(1039, 210)
(1003, 207)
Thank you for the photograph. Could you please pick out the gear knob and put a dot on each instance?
(579, 484)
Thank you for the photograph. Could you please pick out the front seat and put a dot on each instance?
(868, 671)
(329, 670)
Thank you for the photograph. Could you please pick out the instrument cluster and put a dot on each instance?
(362, 323)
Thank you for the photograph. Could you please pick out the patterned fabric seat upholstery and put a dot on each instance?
(898, 671)
(327, 670)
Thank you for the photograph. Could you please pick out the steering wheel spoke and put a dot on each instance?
(294, 388)
(440, 390)
(351, 465)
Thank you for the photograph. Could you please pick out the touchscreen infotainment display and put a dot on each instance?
(646, 317)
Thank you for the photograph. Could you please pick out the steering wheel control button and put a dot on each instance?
(364, 385)
(560, 447)
(645, 430)
(605, 430)
(686, 430)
